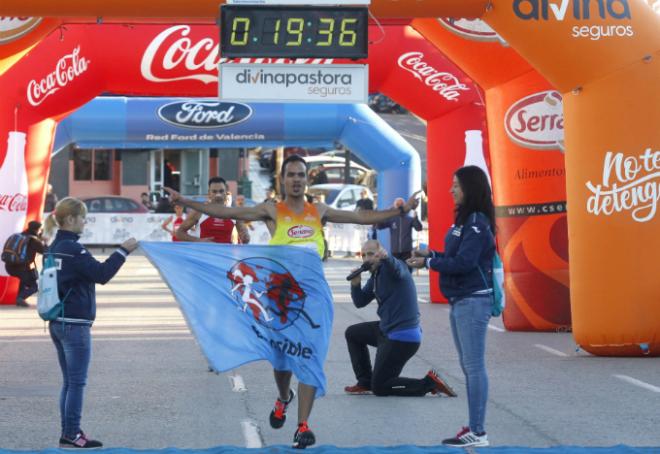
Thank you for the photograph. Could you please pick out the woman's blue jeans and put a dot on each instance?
(74, 350)
(469, 322)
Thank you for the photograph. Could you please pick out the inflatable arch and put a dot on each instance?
(525, 125)
(151, 66)
(110, 122)
(605, 66)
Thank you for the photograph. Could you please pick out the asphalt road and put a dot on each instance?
(149, 386)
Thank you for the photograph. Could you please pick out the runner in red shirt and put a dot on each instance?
(212, 229)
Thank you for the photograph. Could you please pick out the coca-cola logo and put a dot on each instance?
(300, 231)
(173, 55)
(12, 28)
(446, 84)
(537, 121)
(68, 68)
(204, 114)
(13, 202)
(473, 29)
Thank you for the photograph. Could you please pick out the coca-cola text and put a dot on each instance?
(66, 70)
(446, 84)
(13, 202)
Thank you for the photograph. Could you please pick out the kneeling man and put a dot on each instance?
(396, 336)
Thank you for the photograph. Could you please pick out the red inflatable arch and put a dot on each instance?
(72, 66)
(602, 56)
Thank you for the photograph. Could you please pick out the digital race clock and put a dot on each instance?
(293, 31)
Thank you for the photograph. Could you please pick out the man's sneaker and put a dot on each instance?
(278, 415)
(466, 438)
(357, 389)
(441, 386)
(303, 437)
(80, 441)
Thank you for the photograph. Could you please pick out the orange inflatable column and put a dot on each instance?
(614, 189)
(607, 71)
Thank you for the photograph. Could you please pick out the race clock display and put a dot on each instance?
(293, 31)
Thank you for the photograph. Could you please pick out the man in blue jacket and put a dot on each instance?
(397, 336)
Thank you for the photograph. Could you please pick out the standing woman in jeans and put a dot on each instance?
(466, 281)
(77, 274)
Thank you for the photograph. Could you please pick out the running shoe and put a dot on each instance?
(441, 386)
(79, 441)
(466, 438)
(357, 389)
(303, 437)
(278, 415)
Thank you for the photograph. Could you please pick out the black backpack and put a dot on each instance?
(15, 251)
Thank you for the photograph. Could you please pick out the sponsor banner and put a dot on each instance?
(294, 83)
(115, 228)
(531, 209)
(594, 20)
(537, 121)
(202, 120)
(12, 28)
(473, 29)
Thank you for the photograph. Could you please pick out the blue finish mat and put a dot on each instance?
(408, 449)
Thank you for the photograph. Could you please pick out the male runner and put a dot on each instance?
(212, 229)
(309, 218)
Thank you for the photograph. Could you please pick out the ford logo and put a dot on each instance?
(537, 121)
(204, 114)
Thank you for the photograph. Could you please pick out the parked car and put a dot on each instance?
(113, 204)
(335, 173)
(342, 154)
(340, 196)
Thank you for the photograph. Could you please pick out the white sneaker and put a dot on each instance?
(466, 438)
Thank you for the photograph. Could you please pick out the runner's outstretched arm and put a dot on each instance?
(367, 217)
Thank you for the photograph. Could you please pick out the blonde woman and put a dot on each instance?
(77, 276)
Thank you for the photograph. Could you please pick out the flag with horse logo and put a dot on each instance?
(251, 302)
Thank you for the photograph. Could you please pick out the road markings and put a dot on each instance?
(237, 384)
(550, 350)
(636, 382)
(251, 434)
(496, 328)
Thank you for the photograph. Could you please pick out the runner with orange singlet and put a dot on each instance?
(295, 222)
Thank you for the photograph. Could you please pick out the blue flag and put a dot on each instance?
(250, 302)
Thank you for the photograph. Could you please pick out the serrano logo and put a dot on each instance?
(12, 28)
(473, 29)
(300, 231)
(537, 121)
(204, 114)
(579, 10)
(630, 183)
(446, 84)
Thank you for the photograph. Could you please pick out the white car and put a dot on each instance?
(340, 196)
